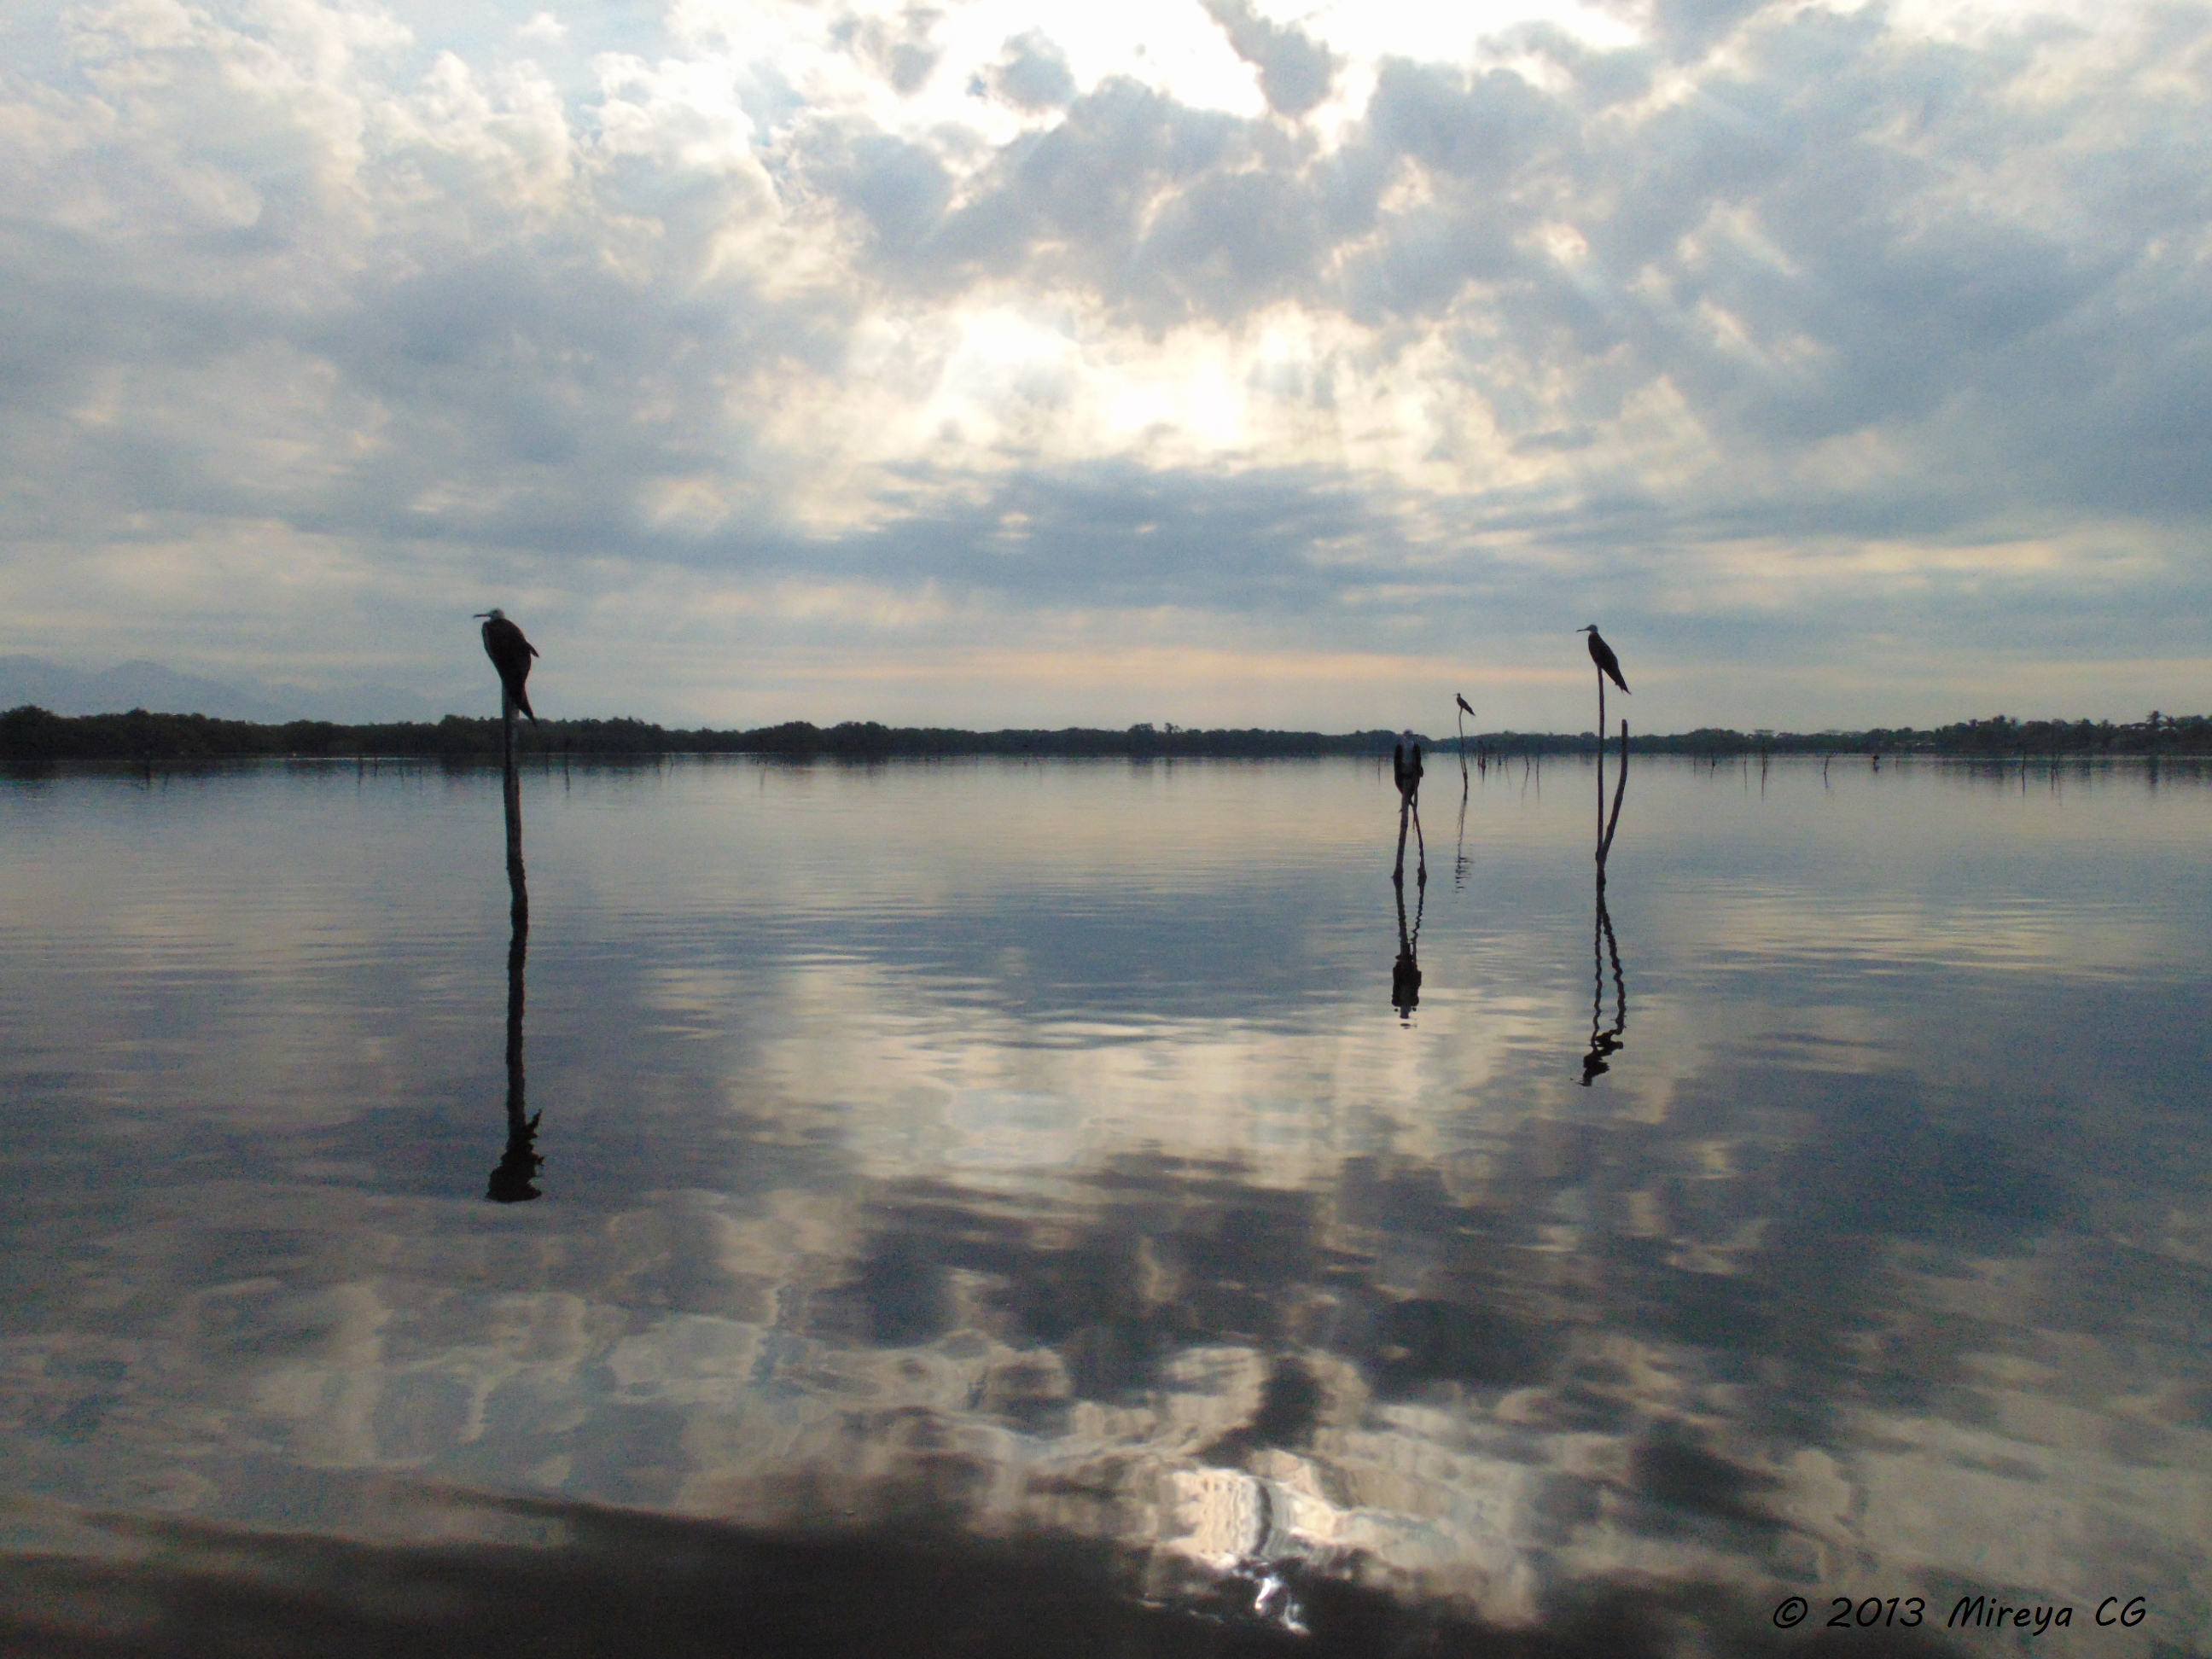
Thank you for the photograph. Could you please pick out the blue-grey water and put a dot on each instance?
(1063, 1154)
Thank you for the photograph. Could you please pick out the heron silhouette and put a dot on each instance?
(1609, 668)
(510, 653)
(1601, 653)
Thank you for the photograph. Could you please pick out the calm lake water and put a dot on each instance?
(1000, 1193)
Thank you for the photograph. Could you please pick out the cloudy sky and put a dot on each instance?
(1221, 361)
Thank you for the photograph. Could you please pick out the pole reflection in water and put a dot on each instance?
(515, 1180)
(1405, 972)
(1458, 859)
(1604, 1043)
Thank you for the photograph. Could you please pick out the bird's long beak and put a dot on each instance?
(479, 613)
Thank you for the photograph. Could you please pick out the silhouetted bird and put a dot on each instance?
(510, 653)
(1405, 769)
(1464, 704)
(1601, 654)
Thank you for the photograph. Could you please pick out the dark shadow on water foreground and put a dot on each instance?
(572, 1579)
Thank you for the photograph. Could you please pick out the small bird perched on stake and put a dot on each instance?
(1405, 771)
(1601, 654)
(510, 653)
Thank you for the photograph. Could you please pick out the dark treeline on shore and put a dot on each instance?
(32, 736)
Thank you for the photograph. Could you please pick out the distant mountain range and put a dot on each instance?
(163, 690)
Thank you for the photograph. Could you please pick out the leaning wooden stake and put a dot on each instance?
(1620, 789)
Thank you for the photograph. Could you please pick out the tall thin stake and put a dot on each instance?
(510, 740)
(1601, 766)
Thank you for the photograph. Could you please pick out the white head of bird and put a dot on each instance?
(495, 614)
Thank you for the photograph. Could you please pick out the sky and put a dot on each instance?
(1211, 361)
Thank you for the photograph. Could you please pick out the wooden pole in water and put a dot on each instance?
(1620, 790)
(510, 743)
(1601, 766)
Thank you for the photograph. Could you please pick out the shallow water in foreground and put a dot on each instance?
(981, 1159)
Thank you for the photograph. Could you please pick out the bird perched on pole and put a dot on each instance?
(1601, 654)
(510, 653)
(1405, 771)
(1466, 708)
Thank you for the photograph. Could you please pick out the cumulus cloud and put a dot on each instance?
(898, 48)
(1032, 75)
(1760, 330)
(1294, 69)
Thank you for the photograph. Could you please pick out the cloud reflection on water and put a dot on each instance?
(966, 1193)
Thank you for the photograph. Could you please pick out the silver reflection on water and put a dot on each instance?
(1064, 1147)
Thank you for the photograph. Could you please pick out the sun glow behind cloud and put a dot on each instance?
(1375, 334)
